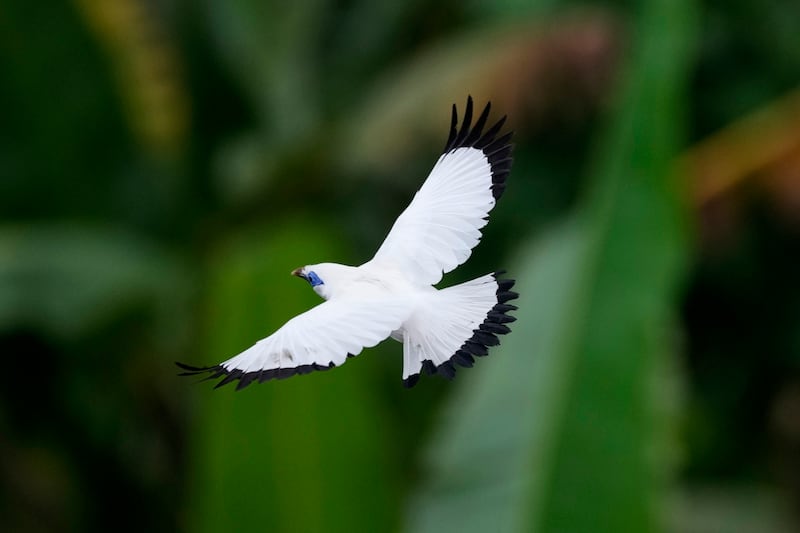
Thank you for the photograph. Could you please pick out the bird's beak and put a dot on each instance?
(298, 272)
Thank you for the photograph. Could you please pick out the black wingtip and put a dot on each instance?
(410, 381)
(496, 149)
(453, 131)
(247, 378)
(192, 369)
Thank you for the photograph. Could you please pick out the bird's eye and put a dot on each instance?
(313, 279)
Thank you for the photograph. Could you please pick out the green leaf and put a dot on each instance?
(561, 429)
(67, 280)
(269, 47)
(295, 454)
(492, 439)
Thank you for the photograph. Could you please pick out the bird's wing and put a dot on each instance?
(441, 226)
(319, 339)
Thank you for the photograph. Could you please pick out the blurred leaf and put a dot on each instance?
(762, 139)
(492, 446)
(61, 131)
(510, 64)
(288, 455)
(729, 509)
(148, 69)
(560, 432)
(69, 279)
(269, 47)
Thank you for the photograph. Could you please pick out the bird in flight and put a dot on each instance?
(393, 294)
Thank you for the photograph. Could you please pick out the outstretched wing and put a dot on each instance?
(441, 226)
(319, 339)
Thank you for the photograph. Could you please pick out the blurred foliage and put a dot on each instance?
(164, 165)
(574, 441)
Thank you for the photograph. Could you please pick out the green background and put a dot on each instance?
(165, 164)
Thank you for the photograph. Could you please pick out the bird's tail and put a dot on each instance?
(458, 323)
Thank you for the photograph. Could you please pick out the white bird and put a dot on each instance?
(393, 294)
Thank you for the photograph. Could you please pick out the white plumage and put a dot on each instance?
(393, 293)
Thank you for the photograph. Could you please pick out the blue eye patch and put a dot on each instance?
(313, 279)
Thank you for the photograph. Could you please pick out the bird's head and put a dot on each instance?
(316, 276)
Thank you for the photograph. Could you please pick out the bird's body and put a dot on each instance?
(393, 294)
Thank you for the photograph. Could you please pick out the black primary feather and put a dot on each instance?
(496, 149)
